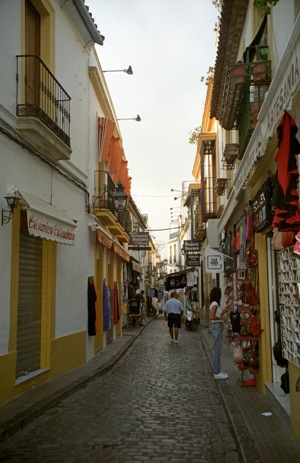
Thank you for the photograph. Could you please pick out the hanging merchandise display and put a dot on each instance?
(242, 296)
(192, 278)
(277, 352)
(227, 250)
(297, 244)
(285, 194)
(262, 209)
(288, 272)
(106, 306)
(116, 304)
(175, 282)
(285, 241)
(285, 382)
(251, 255)
(235, 321)
(250, 296)
(238, 352)
(179, 280)
(92, 307)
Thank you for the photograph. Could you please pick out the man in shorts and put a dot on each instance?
(173, 310)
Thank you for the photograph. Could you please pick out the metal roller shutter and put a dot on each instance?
(29, 305)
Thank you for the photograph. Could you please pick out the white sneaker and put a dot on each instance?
(171, 340)
(221, 375)
(176, 341)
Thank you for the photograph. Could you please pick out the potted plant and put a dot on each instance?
(238, 72)
(264, 5)
(260, 71)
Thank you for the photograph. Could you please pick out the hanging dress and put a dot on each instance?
(92, 298)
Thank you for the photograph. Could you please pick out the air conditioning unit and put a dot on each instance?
(212, 234)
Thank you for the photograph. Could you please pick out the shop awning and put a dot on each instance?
(104, 238)
(177, 280)
(181, 272)
(48, 222)
(108, 240)
(136, 265)
(121, 252)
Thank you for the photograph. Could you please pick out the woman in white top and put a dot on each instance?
(217, 316)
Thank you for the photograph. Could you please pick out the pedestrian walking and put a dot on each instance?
(173, 310)
(217, 317)
(140, 297)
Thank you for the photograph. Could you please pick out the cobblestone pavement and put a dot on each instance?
(158, 403)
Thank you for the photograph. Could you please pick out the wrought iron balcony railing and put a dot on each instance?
(104, 189)
(240, 77)
(40, 95)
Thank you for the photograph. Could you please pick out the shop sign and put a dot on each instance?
(46, 221)
(191, 246)
(49, 228)
(262, 211)
(192, 260)
(139, 241)
(191, 249)
(213, 260)
(105, 240)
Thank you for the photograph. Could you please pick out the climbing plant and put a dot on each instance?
(264, 5)
(194, 134)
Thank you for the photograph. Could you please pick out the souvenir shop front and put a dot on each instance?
(262, 273)
(186, 283)
(271, 155)
(262, 292)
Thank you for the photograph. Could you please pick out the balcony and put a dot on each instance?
(237, 76)
(241, 80)
(252, 100)
(104, 189)
(117, 222)
(43, 108)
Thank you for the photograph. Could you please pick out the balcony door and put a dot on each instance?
(32, 47)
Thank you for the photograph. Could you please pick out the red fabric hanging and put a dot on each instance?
(285, 194)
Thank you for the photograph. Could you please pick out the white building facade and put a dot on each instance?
(57, 251)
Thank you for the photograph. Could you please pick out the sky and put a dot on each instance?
(170, 45)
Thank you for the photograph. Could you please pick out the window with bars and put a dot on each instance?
(208, 162)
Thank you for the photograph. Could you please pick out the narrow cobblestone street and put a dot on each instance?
(158, 403)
